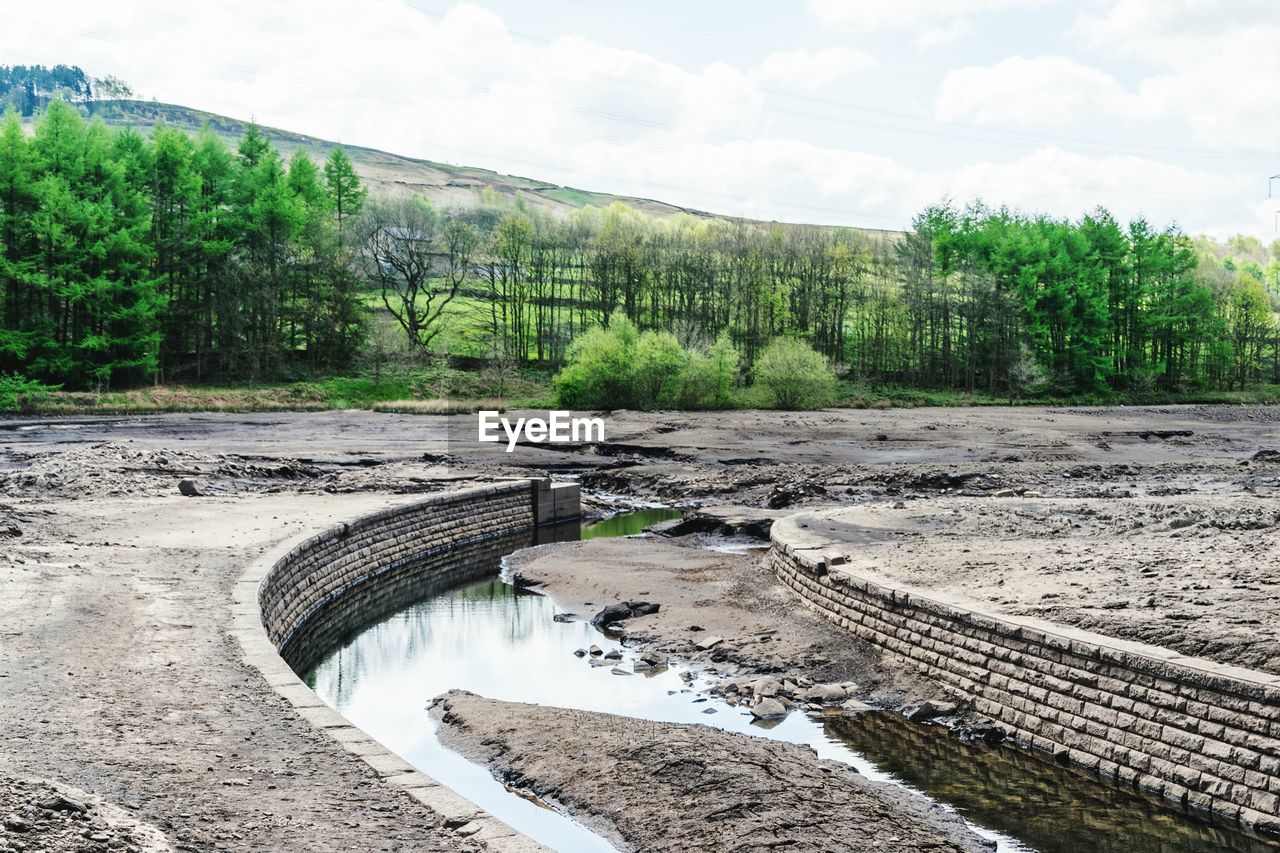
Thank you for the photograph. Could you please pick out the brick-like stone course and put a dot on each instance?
(1195, 732)
(330, 584)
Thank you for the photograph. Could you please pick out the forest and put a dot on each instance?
(173, 258)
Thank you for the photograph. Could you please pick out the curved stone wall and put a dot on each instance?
(1191, 730)
(293, 606)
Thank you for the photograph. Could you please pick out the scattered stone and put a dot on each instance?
(189, 488)
(928, 710)
(13, 823)
(595, 651)
(708, 643)
(579, 653)
(768, 709)
(613, 654)
(1005, 493)
(622, 611)
(60, 803)
(852, 707)
(825, 694)
(765, 687)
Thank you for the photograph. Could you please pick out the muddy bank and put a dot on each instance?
(723, 613)
(661, 786)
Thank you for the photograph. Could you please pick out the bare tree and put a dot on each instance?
(418, 263)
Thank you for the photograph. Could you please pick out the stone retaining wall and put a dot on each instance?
(1190, 730)
(291, 606)
(336, 582)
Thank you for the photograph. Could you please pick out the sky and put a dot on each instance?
(846, 112)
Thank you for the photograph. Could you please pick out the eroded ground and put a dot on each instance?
(668, 786)
(118, 675)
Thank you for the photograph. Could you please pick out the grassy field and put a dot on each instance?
(437, 390)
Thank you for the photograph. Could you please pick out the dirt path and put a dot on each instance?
(117, 676)
(668, 786)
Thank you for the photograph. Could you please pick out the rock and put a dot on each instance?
(13, 823)
(617, 670)
(1267, 456)
(595, 651)
(765, 687)
(1032, 494)
(622, 611)
(708, 643)
(1005, 493)
(580, 653)
(613, 654)
(654, 658)
(189, 488)
(851, 707)
(564, 617)
(825, 694)
(899, 505)
(928, 710)
(59, 803)
(767, 709)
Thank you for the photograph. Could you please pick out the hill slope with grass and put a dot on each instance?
(443, 183)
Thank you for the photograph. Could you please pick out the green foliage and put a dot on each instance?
(598, 373)
(124, 260)
(795, 376)
(20, 394)
(706, 381)
(618, 367)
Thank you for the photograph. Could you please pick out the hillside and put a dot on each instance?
(443, 183)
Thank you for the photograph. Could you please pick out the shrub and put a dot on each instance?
(17, 392)
(706, 381)
(620, 367)
(795, 376)
(598, 368)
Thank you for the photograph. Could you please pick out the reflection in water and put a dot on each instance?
(488, 638)
(629, 523)
(1049, 808)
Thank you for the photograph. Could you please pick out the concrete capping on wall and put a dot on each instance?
(1200, 733)
(289, 587)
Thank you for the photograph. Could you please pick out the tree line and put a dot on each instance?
(127, 259)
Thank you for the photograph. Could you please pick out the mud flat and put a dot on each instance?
(665, 786)
(1191, 572)
(726, 615)
(118, 674)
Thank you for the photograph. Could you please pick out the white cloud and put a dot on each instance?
(1211, 65)
(462, 88)
(811, 70)
(945, 34)
(1045, 91)
(934, 15)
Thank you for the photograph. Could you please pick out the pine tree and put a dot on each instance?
(343, 185)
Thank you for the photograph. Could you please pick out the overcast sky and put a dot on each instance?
(852, 112)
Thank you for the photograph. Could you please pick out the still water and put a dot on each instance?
(493, 640)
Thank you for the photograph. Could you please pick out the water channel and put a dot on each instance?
(494, 640)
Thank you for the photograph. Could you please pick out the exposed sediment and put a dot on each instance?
(666, 786)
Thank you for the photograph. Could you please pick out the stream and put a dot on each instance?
(496, 641)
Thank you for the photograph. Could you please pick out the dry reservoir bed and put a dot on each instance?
(117, 675)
